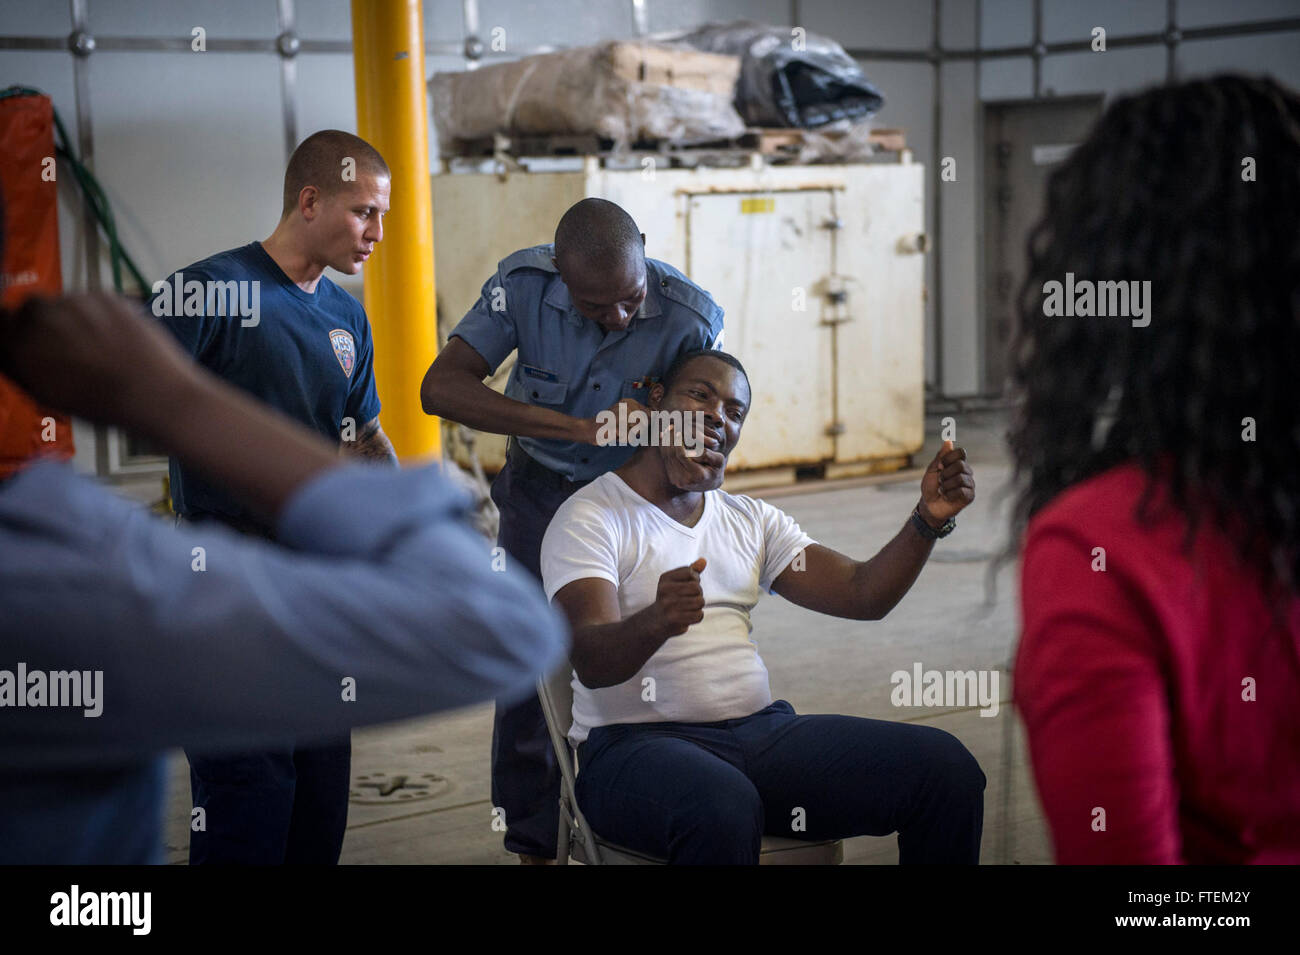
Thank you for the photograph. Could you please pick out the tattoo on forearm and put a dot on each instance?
(372, 444)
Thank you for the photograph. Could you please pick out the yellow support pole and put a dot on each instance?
(392, 115)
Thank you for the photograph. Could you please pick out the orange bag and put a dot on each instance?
(31, 266)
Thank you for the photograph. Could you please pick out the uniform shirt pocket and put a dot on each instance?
(542, 386)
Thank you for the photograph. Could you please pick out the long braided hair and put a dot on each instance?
(1195, 188)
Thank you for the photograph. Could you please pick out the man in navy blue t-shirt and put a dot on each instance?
(266, 319)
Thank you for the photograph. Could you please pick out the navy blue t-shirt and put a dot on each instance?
(309, 355)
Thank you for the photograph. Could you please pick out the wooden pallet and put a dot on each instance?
(578, 144)
(776, 141)
(776, 144)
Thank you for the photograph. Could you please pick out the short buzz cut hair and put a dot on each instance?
(686, 358)
(599, 234)
(319, 161)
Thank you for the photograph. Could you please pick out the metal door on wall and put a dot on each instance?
(765, 257)
(1023, 141)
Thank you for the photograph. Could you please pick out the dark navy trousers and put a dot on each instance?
(282, 806)
(525, 776)
(287, 806)
(707, 793)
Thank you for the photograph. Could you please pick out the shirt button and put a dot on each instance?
(596, 386)
(534, 394)
(584, 460)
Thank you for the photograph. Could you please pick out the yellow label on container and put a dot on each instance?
(748, 206)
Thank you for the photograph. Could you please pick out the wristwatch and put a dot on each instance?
(928, 532)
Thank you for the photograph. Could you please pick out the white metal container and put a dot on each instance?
(818, 268)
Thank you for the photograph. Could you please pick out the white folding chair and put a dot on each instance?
(577, 839)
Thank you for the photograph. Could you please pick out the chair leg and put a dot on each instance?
(562, 839)
(589, 846)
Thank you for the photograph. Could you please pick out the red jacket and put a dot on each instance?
(1160, 690)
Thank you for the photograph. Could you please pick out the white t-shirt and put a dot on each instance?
(713, 670)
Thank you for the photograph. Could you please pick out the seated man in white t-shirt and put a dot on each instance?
(682, 752)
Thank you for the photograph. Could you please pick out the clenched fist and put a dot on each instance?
(947, 486)
(679, 601)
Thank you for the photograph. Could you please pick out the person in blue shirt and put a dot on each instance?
(596, 323)
(385, 608)
(266, 319)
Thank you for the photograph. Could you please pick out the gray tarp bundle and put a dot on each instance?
(780, 85)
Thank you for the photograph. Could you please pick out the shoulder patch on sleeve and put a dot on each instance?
(680, 290)
(537, 257)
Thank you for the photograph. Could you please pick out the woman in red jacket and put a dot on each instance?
(1158, 452)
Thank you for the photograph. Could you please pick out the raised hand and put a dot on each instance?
(947, 486)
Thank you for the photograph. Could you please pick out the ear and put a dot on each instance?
(656, 396)
(309, 202)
